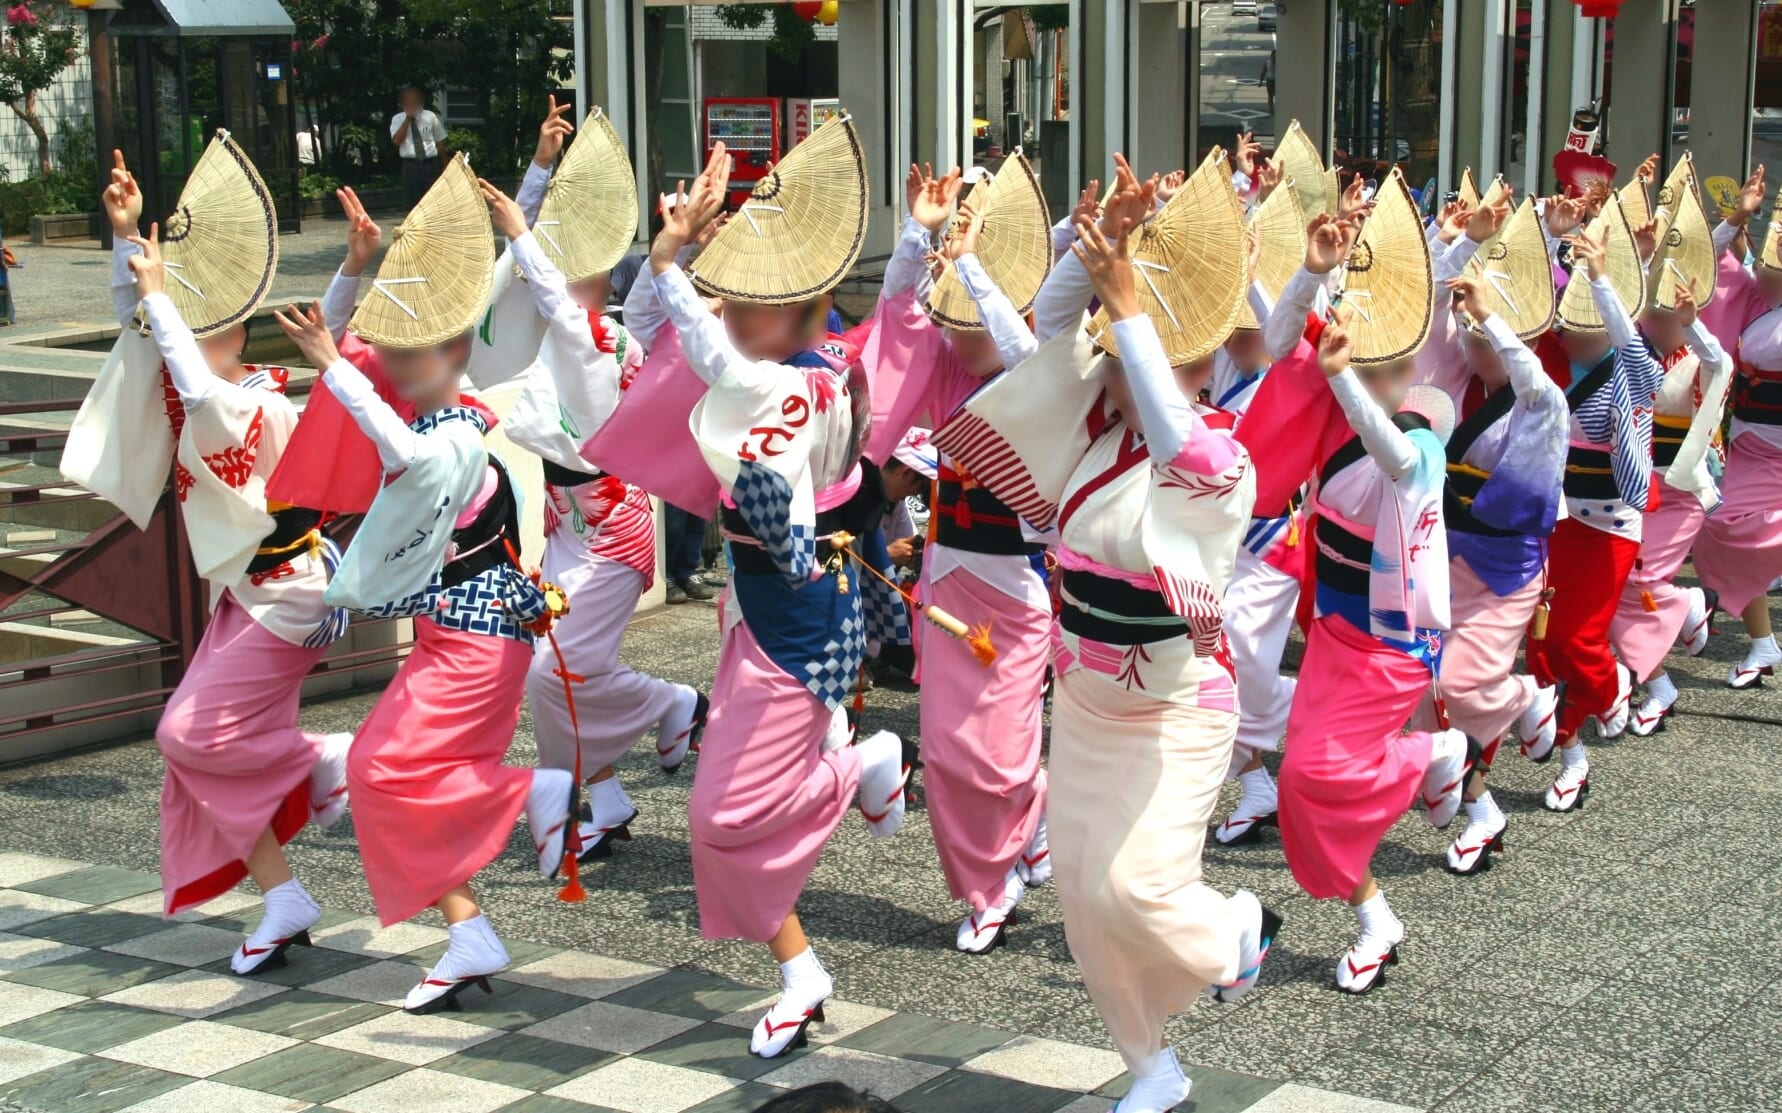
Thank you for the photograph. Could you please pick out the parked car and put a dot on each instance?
(1265, 17)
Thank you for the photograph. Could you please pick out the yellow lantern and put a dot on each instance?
(829, 12)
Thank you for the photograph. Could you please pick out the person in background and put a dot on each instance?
(683, 549)
(309, 148)
(419, 135)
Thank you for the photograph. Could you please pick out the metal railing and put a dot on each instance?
(140, 583)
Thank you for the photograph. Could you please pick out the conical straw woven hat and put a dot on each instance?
(1670, 192)
(1281, 226)
(589, 216)
(1388, 282)
(221, 243)
(1015, 246)
(1469, 189)
(1685, 253)
(1636, 203)
(1577, 307)
(800, 231)
(1304, 168)
(1191, 277)
(1770, 257)
(1517, 275)
(435, 280)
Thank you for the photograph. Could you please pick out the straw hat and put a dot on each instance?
(1305, 172)
(1636, 203)
(1685, 254)
(1388, 281)
(1191, 280)
(1280, 224)
(221, 243)
(1015, 246)
(1577, 307)
(801, 229)
(1770, 258)
(1469, 189)
(589, 215)
(1670, 192)
(1517, 275)
(435, 279)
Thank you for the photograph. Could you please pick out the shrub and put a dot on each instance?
(463, 139)
(315, 185)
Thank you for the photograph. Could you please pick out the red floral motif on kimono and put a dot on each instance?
(235, 464)
(1201, 486)
(1131, 660)
(822, 388)
(176, 417)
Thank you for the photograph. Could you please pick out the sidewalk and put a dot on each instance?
(1627, 956)
(106, 1007)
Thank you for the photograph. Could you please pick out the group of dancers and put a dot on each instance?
(1152, 437)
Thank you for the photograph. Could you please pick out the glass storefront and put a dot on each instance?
(1389, 88)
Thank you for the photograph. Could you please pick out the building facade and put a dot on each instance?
(1433, 86)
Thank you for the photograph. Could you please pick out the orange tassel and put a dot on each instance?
(1648, 602)
(1292, 531)
(980, 644)
(1538, 629)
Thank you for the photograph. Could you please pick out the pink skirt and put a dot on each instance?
(236, 762)
(614, 705)
(1739, 549)
(766, 797)
(1643, 636)
(1348, 772)
(432, 803)
(1480, 690)
(981, 735)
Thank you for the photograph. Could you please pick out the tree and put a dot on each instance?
(39, 44)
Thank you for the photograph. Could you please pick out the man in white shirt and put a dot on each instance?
(419, 136)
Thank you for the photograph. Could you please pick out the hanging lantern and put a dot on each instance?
(1598, 9)
(829, 12)
(807, 10)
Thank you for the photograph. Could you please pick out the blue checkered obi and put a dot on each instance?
(480, 590)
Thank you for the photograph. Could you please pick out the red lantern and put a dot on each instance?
(807, 10)
(1598, 9)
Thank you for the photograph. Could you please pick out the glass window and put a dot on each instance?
(1389, 89)
(1237, 73)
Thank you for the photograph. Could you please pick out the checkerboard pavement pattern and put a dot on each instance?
(105, 1006)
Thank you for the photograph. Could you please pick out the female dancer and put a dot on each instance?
(1152, 499)
(1608, 477)
(434, 804)
(1381, 605)
(981, 729)
(600, 541)
(1499, 504)
(775, 774)
(1739, 550)
(242, 780)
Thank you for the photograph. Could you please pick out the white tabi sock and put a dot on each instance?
(1376, 918)
(1662, 689)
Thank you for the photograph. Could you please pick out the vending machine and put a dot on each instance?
(805, 115)
(749, 127)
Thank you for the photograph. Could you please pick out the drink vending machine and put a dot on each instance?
(749, 127)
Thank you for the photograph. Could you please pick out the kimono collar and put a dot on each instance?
(426, 423)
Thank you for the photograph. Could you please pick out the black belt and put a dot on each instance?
(1338, 574)
(975, 521)
(1759, 401)
(1590, 474)
(1149, 617)
(289, 527)
(559, 476)
(1667, 440)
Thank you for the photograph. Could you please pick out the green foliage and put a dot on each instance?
(77, 156)
(314, 186)
(1049, 17)
(354, 57)
(471, 143)
(792, 34)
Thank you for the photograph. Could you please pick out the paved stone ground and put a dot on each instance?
(1627, 956)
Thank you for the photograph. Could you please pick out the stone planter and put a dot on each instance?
(65, 226)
